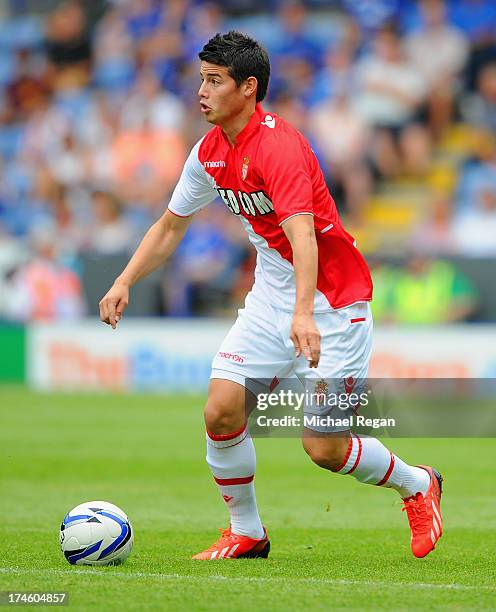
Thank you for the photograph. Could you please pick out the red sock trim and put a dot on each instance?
(388, 473)
(347, 456)
(358, 320)
(234, 481)
(359, 454)
(221, 437)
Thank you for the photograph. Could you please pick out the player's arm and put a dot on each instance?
(194, 190)
(300, 232)
(287, 176)
(158, 244)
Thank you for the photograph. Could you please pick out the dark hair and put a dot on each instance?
(243, 57)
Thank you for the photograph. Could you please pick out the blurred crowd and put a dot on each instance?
(98, 110)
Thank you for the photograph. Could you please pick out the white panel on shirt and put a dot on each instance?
(195, 188)
(274, 276)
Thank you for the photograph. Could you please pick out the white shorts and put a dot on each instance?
(258, 349)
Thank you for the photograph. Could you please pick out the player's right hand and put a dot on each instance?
(114, 303)
(306, 338)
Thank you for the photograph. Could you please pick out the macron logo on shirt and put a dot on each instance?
(215, 164)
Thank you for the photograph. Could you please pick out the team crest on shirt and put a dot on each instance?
(244, 169)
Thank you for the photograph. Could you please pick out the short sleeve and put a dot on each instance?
(286, 174)
(195, 188)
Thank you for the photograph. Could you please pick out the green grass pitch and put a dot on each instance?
(336, 544)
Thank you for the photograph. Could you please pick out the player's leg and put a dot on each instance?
(370, 462)
(366, 459)
(348, 333)
(231, 458)
(231, 455)
(251, 351)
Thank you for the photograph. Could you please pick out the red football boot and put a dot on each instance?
(424, 515)
(233, 546)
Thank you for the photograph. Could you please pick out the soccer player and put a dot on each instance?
(308, 313)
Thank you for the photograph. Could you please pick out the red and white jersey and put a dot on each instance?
(270, 175)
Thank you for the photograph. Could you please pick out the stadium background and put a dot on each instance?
(98, 109)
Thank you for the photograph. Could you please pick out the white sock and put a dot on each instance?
(370, 462)
(232, 460)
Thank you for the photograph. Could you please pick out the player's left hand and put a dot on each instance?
(306, 338)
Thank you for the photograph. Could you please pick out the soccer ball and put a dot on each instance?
(96, 533)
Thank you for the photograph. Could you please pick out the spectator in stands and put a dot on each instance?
(27, 92)
(203, 21)
(150, 103)
(336, 75)
(292, 109)
(295, 52)
(427, 292)
(439, 52)
(477, 18)
(113, 52)
(12, 256)
(44, 131)
(390, 93)
(115, 105)
(434, 235)
(146, 163)
(67, 40)
(438, 49)
(163, 52)
(63, 222)
(111, 233)
(474, 231)
(342, 138)
(43, 289)
(479, 108)
(478, 174)
(66, 162)
(384, 278)
(296, 42)
(372, 15)
(142, 18)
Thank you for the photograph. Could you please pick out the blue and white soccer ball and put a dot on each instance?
(96, 533)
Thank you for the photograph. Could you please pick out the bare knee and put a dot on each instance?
(224, 410)
(219, 419)
(327, 452)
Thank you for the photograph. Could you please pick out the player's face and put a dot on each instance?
(220, 99)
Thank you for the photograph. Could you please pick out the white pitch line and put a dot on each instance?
(261, 579)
